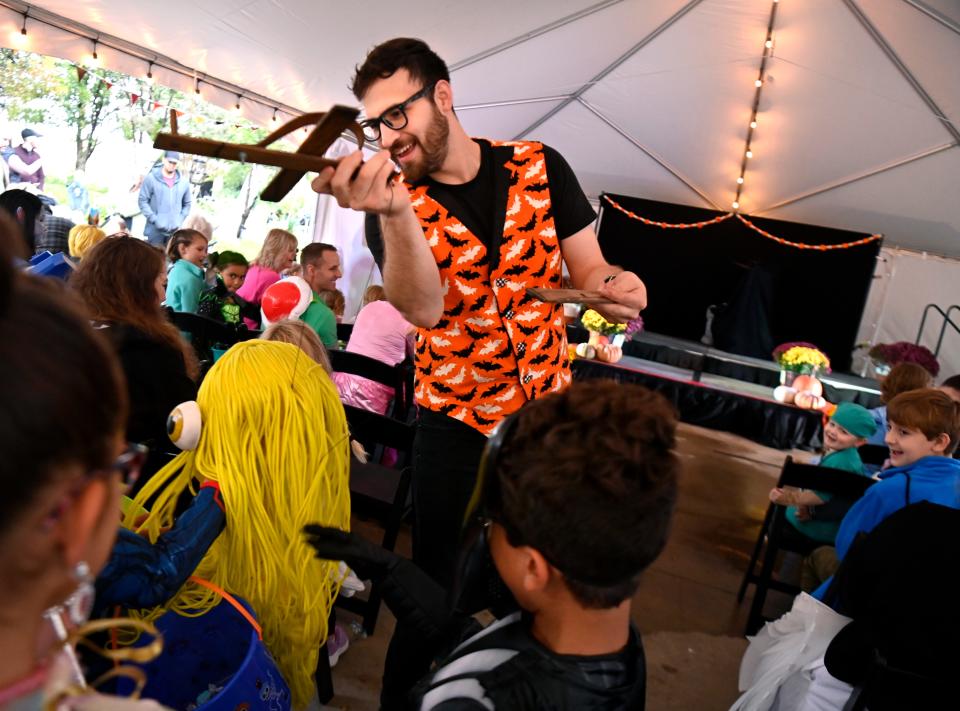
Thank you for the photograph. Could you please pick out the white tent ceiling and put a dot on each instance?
(859, 116)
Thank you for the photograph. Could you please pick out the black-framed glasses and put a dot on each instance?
(129, 464)
(395, 117)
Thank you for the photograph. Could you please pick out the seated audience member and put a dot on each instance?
(847, 429)
(277, 253)
(64, 464)
(187, 251)
(27, 210)
(901, 378)
(382, 333)
(575, 495)
(272, 434)
(335, 301)
(122, 282)
(302, 336)
(894, 636)
(57, 237)
(221, 301)
(923, 430)
(951, 386)
(321, 269)
(82, 238)
(196, 221)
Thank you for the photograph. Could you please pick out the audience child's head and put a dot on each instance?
(850, 426)
(115, 225)
(903, 377)
(123, 280)
(581, 494)
(27, 211)
(373, 293)
(231, 267)
(188, 245)
(922, 423)
(278, 252)
(335, 301)
(301, 335)
(63, 410)
(951, 386)
(81, 239)
(196, 221)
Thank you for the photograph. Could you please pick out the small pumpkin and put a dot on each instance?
(809, 401)
(808, 384)
(782, 393)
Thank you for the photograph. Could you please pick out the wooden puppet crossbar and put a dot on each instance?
(307, 158)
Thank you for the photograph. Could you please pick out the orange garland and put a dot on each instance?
(745, 221)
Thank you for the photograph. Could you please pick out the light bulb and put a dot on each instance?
(740, 180)
(274, 116)
(768, 44)
(19, 39)
(758, 83)
(749, 154)
(735, 205)
(753, 124)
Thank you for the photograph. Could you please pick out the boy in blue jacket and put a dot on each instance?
(923, 427)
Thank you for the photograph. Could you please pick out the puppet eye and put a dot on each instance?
(184, 424)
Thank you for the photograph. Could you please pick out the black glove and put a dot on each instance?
(368, 560)
(411, 594)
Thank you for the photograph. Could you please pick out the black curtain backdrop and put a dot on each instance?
(765, 293)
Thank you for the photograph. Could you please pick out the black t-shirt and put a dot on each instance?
(473, 202)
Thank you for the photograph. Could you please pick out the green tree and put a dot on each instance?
(88, 103)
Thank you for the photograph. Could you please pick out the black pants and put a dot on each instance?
(446, 457)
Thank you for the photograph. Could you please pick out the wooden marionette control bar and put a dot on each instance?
(308, 157)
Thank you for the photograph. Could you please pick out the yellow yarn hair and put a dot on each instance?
(81, 238)
(275, 437)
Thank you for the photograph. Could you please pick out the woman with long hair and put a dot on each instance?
(63, 461)
(277, 254)
(122, 281)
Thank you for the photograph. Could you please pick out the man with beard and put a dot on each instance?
(473, 224)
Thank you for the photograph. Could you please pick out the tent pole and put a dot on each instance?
(544, 29)
(860, 176)
(657, 159)
(904, 70)
(934, 15)
(609, 68)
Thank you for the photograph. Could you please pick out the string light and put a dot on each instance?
(149, 77)
(196, 88)
(274, 119)
(236, 107)
(94, 59)
(20, 39)
(758, 87)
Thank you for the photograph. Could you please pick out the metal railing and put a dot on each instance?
(947, 321)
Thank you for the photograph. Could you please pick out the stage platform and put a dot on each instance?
(724, 391)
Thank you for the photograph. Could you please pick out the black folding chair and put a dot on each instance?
(399, 377)
(343, 331)
(874, 454)
(837, 482)
(379, 491)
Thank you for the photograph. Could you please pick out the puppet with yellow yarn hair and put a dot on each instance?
(275, 439)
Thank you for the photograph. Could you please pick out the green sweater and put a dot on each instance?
(826, 531)
(322, 320)
(184, 285)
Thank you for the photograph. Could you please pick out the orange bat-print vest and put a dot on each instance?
(495, 347)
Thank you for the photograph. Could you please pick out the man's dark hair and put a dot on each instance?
(11, 201)
(588, 477)
(952, 382)
(423, 64)
(313, 251)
